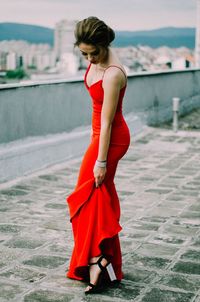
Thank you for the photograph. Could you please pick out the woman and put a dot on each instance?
(94, 204)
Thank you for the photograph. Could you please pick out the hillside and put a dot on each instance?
(30, 33)
(168, 36)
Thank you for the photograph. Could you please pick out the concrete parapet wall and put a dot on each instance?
(43, 124)
(42, 109)
(25, 156)
(150, 94)
(60, 106)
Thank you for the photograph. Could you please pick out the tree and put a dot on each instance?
(16, 74)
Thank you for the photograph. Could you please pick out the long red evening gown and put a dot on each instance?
(95, 212)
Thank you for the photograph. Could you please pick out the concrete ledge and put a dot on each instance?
(53, 107)
(25, 156)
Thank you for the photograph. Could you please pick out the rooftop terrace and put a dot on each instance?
(158, 184)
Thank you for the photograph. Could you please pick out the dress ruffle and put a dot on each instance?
(94, 223)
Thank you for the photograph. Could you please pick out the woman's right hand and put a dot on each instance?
(99, 175)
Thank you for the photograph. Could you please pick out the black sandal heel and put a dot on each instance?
(96, 288)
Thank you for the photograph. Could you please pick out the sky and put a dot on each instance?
(118, 14)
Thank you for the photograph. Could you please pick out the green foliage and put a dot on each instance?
(16, 74)
(32, 67)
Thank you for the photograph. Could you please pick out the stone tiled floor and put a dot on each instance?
(158, 182)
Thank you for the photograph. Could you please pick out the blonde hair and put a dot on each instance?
(93, 31)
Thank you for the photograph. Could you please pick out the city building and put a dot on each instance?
(11, 61)
(64, 37)
(3, 55)
(68, 64)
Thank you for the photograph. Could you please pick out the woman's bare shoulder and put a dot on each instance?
(114, 74)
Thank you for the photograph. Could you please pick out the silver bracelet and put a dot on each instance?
(101, 164)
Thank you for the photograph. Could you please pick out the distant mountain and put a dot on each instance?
(30, 33)
(168, 36)
(164, 32)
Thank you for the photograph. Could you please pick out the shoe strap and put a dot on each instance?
(91, 285)
(99, 263)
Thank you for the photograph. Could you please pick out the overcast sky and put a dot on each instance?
(119, 14)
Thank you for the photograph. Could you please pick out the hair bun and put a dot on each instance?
(111, 34)
(93, 31)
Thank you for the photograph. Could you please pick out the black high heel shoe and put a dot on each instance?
(98, 287)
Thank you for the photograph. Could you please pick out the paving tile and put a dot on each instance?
(185, 282)
(125, 291)
(47, 296)
(156, 219)
(10, 228)
(159, 191)
(158, 295)
(191, 255)
(45, 261)
(189, 193)
(24, 243)
(14, 192)
(184, 231)
(145, 226)
(10, 291)
(138, 275)
(163, 211)
(137, 235)
(9, 255)
(151, 249)
(196, 241)
(187, 267)
(167, 239)
(158, 187)
(19, 273)
(150, 262)
(196, 206)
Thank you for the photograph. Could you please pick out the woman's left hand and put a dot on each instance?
(99, 175)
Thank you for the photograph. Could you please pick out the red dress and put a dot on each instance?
(95, 212)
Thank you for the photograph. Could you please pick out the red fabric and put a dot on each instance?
(95, 212)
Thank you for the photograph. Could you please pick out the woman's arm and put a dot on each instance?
(111, 85)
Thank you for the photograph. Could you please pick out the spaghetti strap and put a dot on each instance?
(85, 78)
(116, 67)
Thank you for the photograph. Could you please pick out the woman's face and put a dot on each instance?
(93, 53)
